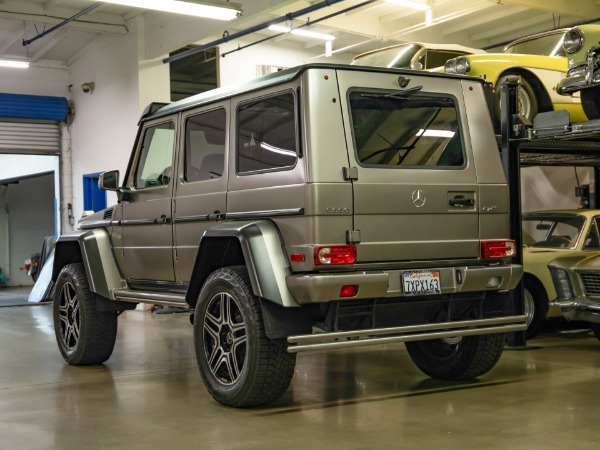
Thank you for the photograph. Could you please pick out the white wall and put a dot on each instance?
(47, 78)
(30, 207)
(550, 187)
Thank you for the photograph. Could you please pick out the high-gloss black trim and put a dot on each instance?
(265, 214)
(95, 224)
(161, 286)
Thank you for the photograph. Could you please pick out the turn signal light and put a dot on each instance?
(333, 255)
(498, 249)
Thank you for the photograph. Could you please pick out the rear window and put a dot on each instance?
(392, 129)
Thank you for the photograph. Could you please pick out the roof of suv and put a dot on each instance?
(274, 79)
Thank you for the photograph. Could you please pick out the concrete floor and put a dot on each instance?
(149, 395)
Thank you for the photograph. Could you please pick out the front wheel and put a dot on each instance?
(535, 302)
(527, 101)
(459, 358)
(590, 100)
(85, 336)
(239, 365)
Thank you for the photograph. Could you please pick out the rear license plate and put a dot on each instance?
(421, 282)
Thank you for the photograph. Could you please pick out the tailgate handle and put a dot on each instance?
(461, 200)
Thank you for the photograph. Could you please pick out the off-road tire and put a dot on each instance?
(85, 336)
(239, 365)
(461, 359)
(590, 100)
(536, 305)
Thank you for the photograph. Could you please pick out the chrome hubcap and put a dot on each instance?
(528, 306)
(523, 102)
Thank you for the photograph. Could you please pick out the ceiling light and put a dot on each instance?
(13, 63)
(410, 4)
(210, 10)
(301, 32)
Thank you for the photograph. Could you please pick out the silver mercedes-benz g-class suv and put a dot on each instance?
(320, 207)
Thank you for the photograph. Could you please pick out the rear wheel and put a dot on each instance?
(459, 358)
(590, 100)
(239, 365)
(85, 336)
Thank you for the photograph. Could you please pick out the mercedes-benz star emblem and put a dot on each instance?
(418, 198)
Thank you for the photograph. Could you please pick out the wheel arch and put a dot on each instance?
(256, 245)
(543, 97)
(93, 248)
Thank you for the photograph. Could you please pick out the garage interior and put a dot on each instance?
(109, 62)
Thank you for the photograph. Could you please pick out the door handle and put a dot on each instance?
(162, 220)
(461, 201)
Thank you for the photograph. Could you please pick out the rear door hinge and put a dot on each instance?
(350, 173)
(353, 236)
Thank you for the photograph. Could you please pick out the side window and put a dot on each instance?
(156, 156)
(267, 136)
(398, 131)
(205, 146)
(592, 241)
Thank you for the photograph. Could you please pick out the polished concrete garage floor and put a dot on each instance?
(149, 396)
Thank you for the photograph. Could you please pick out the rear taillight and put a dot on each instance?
(498, 249)
(334, 255)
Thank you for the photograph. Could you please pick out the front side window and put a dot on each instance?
(156, 156)
(267, 134)
(395, 130)
(205, 146)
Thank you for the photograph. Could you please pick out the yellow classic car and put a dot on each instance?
(540, 61)
(548, 235)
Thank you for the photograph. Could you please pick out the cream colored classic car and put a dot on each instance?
(540, 61)
(548, 235)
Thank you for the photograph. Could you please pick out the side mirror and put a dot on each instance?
(109, 181)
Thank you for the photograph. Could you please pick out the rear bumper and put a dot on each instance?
(581, 309)
(322, 288)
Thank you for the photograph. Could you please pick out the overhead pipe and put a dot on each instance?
(63, 23)
(227, 37)
(301, 26)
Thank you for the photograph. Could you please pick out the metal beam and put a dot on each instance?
(50, 44)
(503, 13)
(520, 25)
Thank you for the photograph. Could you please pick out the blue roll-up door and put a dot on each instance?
(33, 107)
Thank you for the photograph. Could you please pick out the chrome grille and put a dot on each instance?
(591, 282)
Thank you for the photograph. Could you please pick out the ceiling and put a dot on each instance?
(369, 25)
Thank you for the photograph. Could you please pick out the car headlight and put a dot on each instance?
(463, 65)
(450, 66)
(573, 40)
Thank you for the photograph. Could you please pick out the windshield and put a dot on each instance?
(547, 45)
(397, 129)
(552, 231)
(399, 57)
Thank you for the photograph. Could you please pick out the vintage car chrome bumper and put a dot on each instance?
(580, 309)
(320, 288)
(583, 75)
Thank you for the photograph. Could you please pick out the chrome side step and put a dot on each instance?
(580, 306)
(343, 339)
(151, 297)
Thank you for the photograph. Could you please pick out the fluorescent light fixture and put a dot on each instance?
(14, 64)
(210, 10)
(301, 32)
(436, 133)
(328, 49)
(410, 4)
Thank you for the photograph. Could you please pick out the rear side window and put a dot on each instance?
(205, 146)
(267, 137)
(419, 130)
